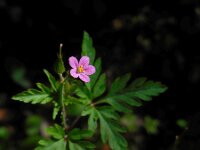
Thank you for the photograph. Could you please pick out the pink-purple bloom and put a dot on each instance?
(81, 69)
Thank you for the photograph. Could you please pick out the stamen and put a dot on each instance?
(80, 69)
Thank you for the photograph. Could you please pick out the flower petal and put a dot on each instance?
(89, 70)
(73, 62)
(84, 61)
(73, 73)
(84, 77)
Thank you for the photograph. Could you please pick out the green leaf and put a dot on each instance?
(137, 83)
(56, 131)
(123, 102)
(108, 112)
(81, 145)
(100, 86)
(77, 134)
(75, 146)
(45, 142)
(43, 88)
(52, 145)
(128, 100)
(110, 131)
(56, 109)
(146, 90)
(33, 96)
(119, 84)
(89, 50)
(93, 117)
(122, 97)
(83, 92)
(118, 105)
(110, 128)
(86, 144)
(74, 100)
(87, 47)
(95, 76)
(51, 79)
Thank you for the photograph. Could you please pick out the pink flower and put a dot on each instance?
(81, 69)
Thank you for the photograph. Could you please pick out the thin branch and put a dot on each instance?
(75, 122)
(64, 114)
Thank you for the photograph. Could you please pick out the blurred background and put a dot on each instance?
(154, 39)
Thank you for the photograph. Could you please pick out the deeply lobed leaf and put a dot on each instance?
(56, 131)
(109, 127)
(122, 97)
(51, 145)
(87, 47)
(77, 134)
(33, 96)
(51, 79)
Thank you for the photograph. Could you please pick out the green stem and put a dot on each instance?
(64, 114)
(74, 123)
(62, 79)
(99, 102)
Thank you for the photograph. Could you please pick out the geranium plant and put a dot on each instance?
(85, 84)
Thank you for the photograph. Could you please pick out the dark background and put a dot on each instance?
(155, 39)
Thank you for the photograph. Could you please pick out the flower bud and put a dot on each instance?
(59, 66)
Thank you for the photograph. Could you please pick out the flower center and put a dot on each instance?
(80, 69)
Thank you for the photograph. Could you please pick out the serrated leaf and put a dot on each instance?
(110, 128)
(87, 47)
(73, 100)
(119, 84)
(82, 145)
(77, 134)
(109, 112)
(33, 96)
(56, 109)
(89, 50)
(137, 83)
(93, 117)
(94, 77)
(83, 92)
(125, 99)
(146, 90)
(86, 144)
(45, 142)
(75, 146)
(51, 79)
(43, 88)
(56, 131)
(118, 105)
(58, 145)
(100, 86)
(121, 98)
(110, 133)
